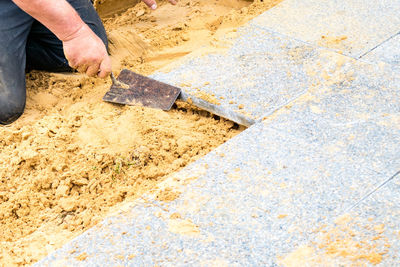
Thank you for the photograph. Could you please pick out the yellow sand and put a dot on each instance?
(348, 243)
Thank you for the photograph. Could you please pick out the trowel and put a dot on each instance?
(134, 89)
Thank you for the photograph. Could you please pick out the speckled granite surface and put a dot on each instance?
(353, 27)
(388, 52)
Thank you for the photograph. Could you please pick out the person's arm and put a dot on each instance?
(83, 49)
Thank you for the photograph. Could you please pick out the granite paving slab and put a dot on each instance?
(388, 52)
(382, 213)
(346, 94)
(369, 232)
(353, 27)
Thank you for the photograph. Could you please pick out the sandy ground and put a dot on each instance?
(71, 156)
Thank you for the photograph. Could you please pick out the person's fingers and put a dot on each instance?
(71, 62)
(82, 68)
(105, 68)
(93, 70)
(72, 65)
(150, 3)
(173, 2)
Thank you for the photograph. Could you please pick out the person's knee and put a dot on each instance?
(12, 105)
(11, 114)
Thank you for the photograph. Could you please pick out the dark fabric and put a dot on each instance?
(25, 44)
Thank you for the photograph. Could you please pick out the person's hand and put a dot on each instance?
(153, 5)
(86, 53)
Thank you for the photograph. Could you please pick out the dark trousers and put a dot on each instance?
(25, 44)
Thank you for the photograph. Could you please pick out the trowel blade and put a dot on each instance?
(143, 91)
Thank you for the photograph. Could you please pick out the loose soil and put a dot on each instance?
(71, 156)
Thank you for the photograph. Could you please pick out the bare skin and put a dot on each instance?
(83, 49)
(153, 5)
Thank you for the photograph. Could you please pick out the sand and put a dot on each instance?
(349, 242)
(71, 156)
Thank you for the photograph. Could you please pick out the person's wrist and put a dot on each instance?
(79, 31)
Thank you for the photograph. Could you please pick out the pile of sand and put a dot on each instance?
(71, 156)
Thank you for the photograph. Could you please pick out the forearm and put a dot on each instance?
(57, 15)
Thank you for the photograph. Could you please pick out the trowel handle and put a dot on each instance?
(117, 83)
(113, 79)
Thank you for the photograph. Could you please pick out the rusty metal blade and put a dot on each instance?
(143, 91)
